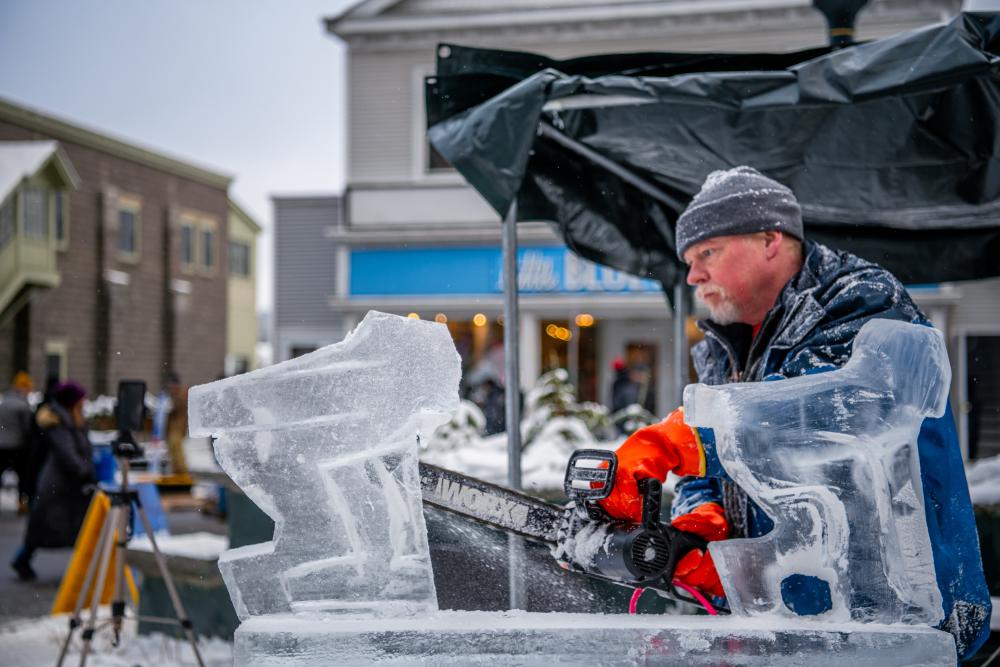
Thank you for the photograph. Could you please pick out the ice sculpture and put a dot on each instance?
(326, 445)
(832, 458)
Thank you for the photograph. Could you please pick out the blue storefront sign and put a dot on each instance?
(479, 271)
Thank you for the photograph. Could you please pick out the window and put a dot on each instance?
(435, 161)
(60, 218)
(129, 244)
(36, 214)
(187, 246)
(239, 259)
(6, 222)
(208, 248)
(56, 354)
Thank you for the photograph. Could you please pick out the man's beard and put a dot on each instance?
(725, 311)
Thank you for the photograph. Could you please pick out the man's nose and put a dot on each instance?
(696, 276)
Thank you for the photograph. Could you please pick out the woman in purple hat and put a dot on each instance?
(66, 481)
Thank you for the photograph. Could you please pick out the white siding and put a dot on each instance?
(382, 122)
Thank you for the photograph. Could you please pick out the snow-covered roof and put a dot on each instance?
(24, 159)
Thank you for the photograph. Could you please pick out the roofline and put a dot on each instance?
(64, 165)
(241, 213)
(33, 119)
(345, 25)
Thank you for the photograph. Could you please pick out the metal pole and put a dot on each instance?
(511, 348)
(639, 183)
(680, 342)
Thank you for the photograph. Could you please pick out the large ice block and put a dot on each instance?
(522, 638)
(326, 445)
(832, 458)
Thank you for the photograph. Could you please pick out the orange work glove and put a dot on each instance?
(696, 568)
(653, 451)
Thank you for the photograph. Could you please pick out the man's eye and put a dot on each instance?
(705, 254)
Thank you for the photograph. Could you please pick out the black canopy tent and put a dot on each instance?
(891, 146)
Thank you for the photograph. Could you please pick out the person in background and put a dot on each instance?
(34, 455)
(15, 433)
(625, 387)
(489, 396)
(67, 480)
(177, 423)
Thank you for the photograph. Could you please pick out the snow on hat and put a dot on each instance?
(740, 200)
(68, 393)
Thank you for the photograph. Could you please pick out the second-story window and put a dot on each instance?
(129, 242)
(435, 161)
(6, 222)
(239, 259)
(127, 223)
(187, 246)
(60, 218)
(208, 248)
(36, 213)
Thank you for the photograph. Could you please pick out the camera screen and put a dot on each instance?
(131, 394)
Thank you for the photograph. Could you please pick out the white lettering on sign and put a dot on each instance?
(582, 275)
(536, 272)
(499, 510)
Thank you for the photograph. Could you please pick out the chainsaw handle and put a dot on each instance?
(651, 490)
(681, 543)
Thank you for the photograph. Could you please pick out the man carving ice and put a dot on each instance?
(781, 306)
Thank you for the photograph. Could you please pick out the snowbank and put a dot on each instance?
(984, 481)
(36, 641)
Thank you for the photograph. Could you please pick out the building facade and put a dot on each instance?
(415, 239)
(137, 261)
(242, 331)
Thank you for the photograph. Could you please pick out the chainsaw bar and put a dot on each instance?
(491, 504)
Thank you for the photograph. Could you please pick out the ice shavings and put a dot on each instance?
(836, 467)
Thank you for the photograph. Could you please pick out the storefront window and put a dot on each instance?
(479, 341)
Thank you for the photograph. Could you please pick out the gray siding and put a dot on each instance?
(305, 261)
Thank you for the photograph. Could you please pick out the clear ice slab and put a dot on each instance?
(326, 445)
(524, 638)
(832, 458)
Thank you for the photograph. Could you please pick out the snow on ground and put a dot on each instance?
(37, 641)
(984, 481)
(543, 464)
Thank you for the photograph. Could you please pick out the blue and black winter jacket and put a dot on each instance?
(811, 329)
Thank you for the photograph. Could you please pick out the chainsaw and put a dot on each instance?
(582, 535)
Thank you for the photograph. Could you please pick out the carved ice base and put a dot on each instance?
(523, 638)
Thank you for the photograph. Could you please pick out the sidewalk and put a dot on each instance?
(34, 599)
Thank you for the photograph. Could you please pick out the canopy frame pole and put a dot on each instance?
(546, 130)
(511, 348)
(680, 342)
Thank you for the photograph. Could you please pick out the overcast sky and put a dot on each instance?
(251, 88)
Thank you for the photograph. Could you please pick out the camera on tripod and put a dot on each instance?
(130, 416)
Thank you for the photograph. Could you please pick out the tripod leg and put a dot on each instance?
(87, 584)
(161, 562)
(95, 601)
(118, 594)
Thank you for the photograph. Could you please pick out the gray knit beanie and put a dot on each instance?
(740, 200)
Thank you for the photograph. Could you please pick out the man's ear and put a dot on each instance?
(772, 243)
